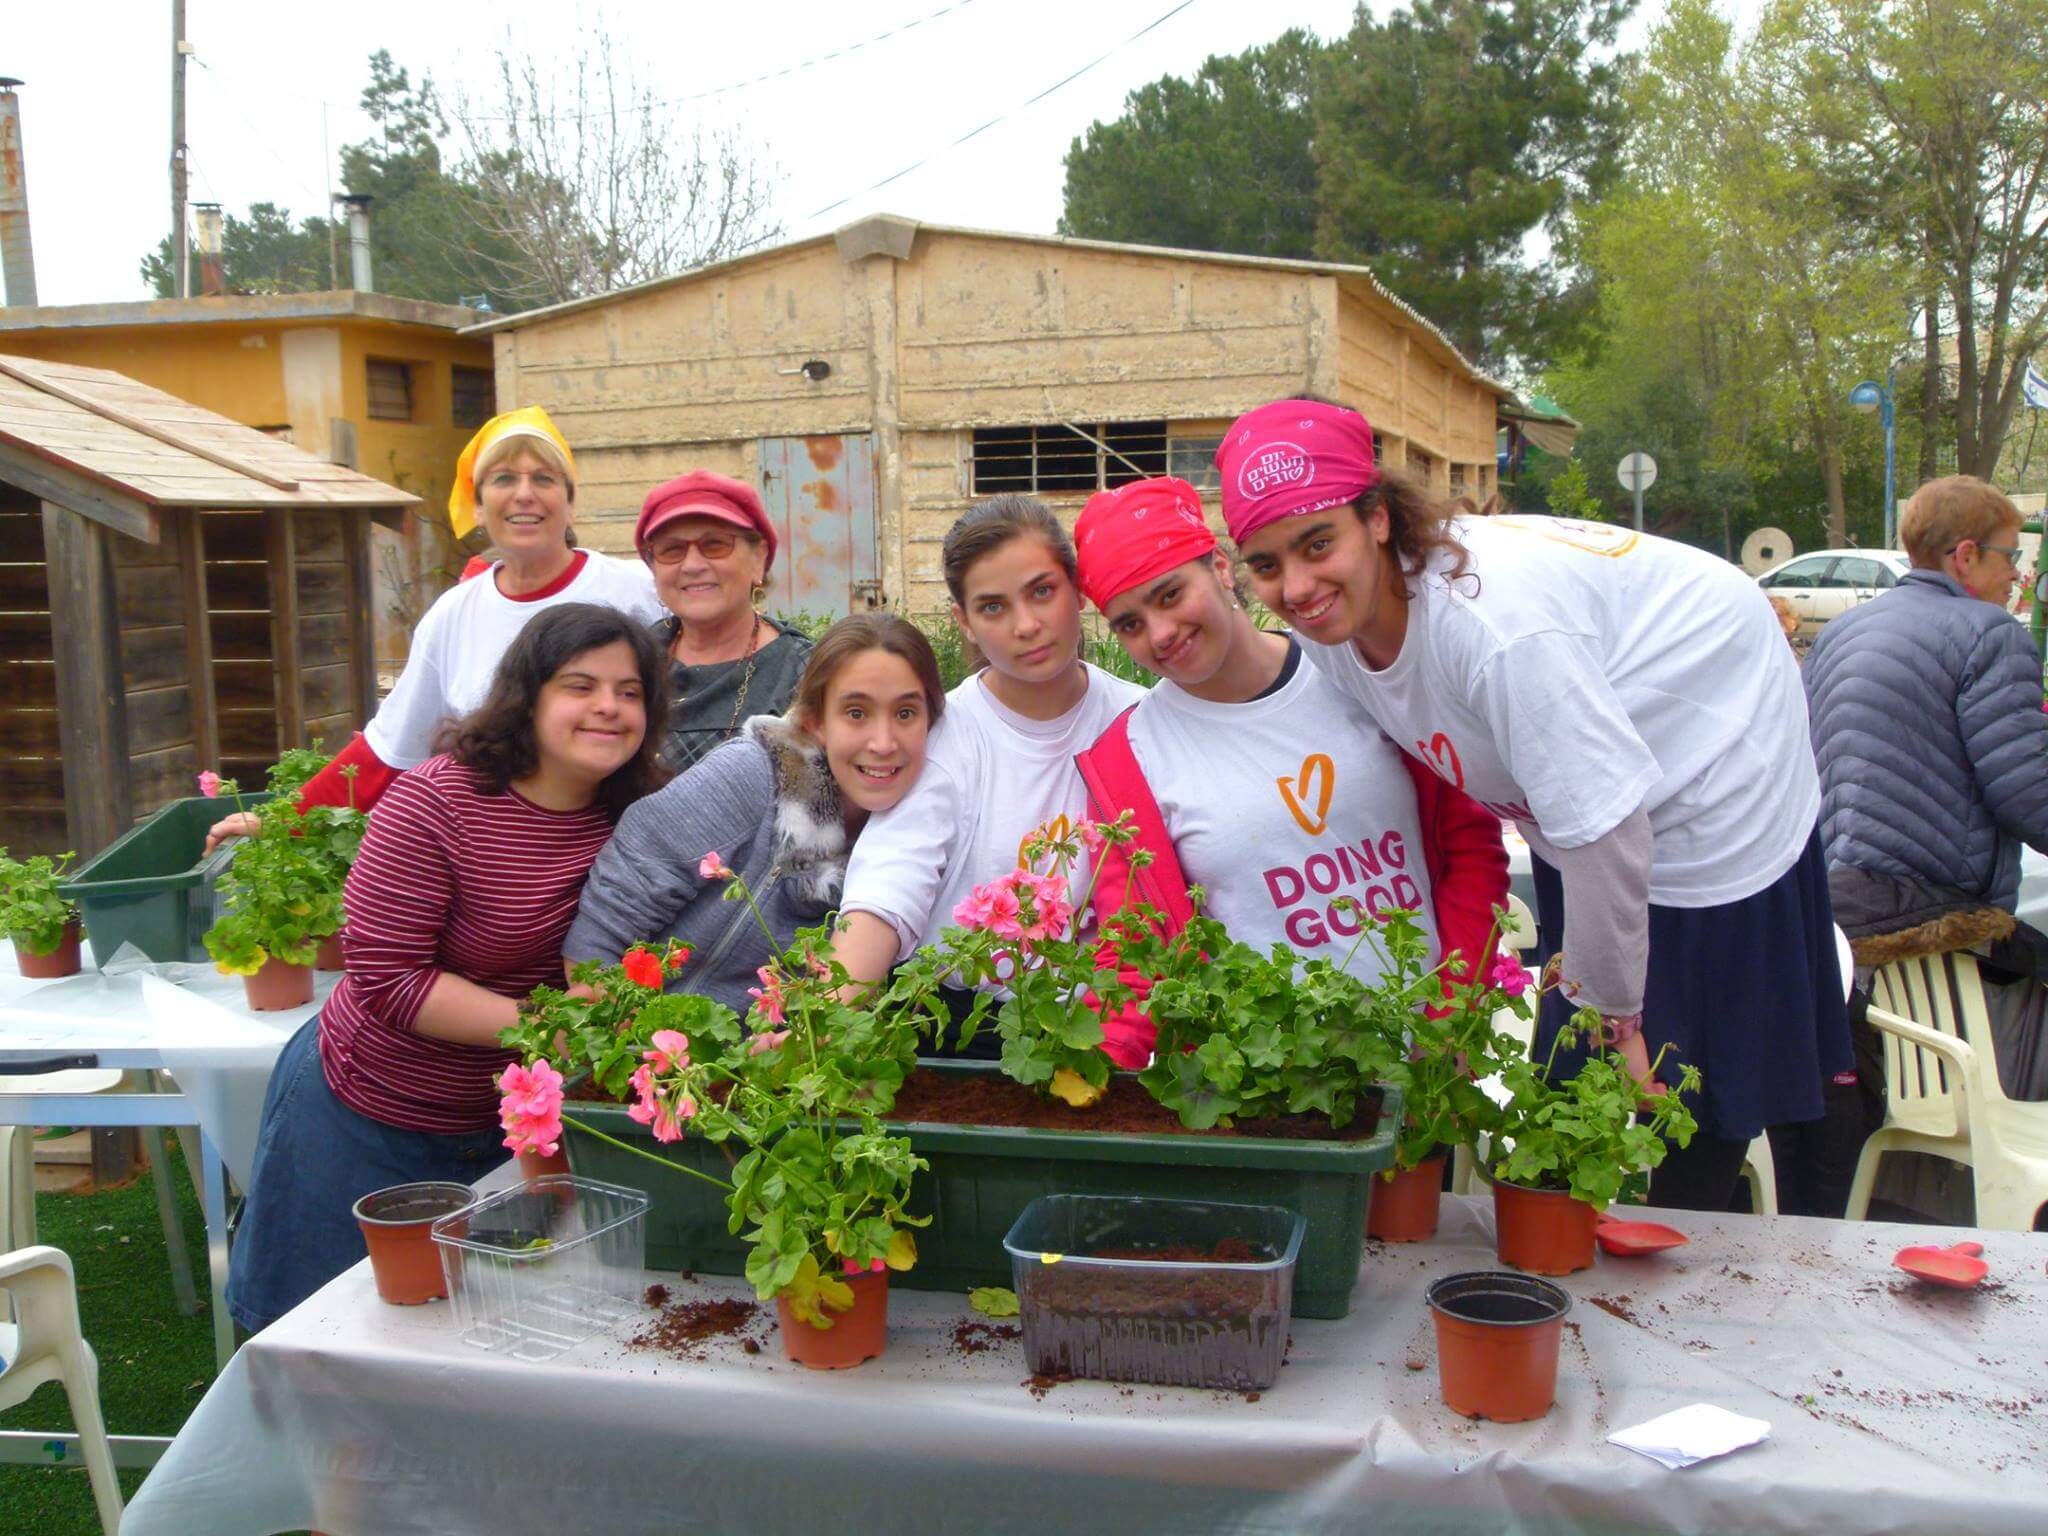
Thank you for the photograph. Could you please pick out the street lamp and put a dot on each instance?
(1873, 396)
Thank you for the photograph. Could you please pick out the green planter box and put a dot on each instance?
(982, 1177)
(151, 887)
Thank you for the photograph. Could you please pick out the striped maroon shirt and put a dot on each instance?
(450, 878)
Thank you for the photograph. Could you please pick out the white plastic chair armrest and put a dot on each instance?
(42, 1256)
(1958, 1053)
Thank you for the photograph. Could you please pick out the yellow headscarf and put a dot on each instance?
(527, 421)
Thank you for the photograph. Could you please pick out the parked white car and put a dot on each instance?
(1829, 582)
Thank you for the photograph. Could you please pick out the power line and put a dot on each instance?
(1004, 117)
(776, 74)
(228, 95)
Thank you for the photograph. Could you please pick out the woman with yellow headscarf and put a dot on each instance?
(517, 480)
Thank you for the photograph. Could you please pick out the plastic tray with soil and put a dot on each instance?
(1177, 1293)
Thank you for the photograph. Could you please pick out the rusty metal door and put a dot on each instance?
(820, 493)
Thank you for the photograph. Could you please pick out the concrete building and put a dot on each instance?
(875, 381)
(379, 383)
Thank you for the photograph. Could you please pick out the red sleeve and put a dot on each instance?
(1468, 865)
(399, 897)
(331, 787)
(1126, 1034)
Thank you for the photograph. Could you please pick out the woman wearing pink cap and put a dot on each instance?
(1630, 704)
(1248, 774)
(711, 546)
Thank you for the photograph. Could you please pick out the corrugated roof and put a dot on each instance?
(164, 451)
(1359, 274)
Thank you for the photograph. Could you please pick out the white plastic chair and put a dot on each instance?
(44, 1343)
(1942, 1094)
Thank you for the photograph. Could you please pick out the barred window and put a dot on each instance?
(1085, 457)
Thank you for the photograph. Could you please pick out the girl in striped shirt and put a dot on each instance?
(458, 906)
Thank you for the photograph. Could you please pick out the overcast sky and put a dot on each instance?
(264, 86)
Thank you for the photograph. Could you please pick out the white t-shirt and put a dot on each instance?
(1278, 806)
(459, 642)
(1581, 670)
(992, 779)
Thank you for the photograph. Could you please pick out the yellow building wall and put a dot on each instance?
(237, 370)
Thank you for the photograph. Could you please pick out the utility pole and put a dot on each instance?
(180, 250)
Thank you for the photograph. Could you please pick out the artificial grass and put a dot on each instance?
(155, 1365)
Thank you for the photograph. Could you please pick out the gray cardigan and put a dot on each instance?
(766, 803)
(1933, 750)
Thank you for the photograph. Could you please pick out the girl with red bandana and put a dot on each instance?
(1630, 704)
(1249, 775)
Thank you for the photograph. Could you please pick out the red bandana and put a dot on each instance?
(1136, 532)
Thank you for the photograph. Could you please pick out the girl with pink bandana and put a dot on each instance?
(1282, 826)
(1630, 704)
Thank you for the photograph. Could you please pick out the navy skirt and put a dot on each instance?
(1749, 992)
(315, 1157)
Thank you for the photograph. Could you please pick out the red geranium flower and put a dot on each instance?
(643, 967)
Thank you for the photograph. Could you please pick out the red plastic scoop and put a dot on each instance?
(1958, 1266)
(1633, 1239)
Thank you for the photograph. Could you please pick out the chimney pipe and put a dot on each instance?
(358, 206)
(212, 277)
(17, 256)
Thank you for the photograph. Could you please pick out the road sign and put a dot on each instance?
(1638, 472)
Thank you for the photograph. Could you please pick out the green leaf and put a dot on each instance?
(993, 1301)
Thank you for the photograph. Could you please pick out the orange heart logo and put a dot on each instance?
(1047, 835)
(1316, 783)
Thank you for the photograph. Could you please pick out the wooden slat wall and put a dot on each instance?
(244, 669)
(323, 626)
(163, 751)
(31, 755)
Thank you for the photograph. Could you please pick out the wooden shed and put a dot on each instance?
(177, 592)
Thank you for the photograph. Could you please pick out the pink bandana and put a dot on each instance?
(1290, 458)
(1136, 532)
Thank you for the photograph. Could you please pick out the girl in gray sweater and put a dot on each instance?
(780, 804)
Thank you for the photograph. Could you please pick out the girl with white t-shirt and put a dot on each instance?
(999, 769)
(1249, 775)
(1631, 704)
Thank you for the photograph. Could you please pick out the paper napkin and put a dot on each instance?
(1687, 1435)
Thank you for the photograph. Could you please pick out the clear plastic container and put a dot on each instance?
(538, 1268)
(1180, 1293)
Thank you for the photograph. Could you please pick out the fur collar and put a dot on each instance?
(1950, 931)
(810, 829)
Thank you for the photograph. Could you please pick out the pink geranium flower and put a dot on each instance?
(1004, 911)
(1509, 975)
(973, 910)
(652, 1110)
(671, 1050)
(874, 1267)
(768, 1000)
(209, 784)
(766, 1040)
(1092, 838)
(530, 1108)
(712, 867)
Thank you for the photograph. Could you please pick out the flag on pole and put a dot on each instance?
(2035, 386)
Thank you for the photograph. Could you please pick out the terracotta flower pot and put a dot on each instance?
(1544, 1231)
(61, 961)
(1404, 1208)
(858, 1334)
(279, 985)
(330, 956)
(397, 1226)
(1496, 1343)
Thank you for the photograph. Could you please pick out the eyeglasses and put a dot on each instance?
(713, 546)
(2012, 553)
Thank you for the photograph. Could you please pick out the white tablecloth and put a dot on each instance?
(1893, 1409)
(188, 1019)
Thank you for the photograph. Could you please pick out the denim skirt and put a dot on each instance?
(315, 1157)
